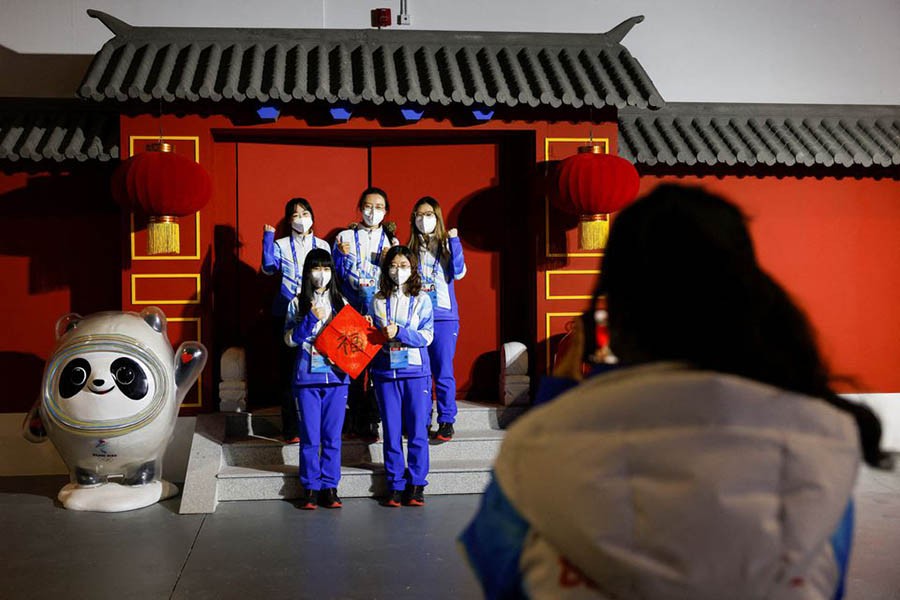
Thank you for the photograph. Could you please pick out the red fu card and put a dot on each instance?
(349, 341)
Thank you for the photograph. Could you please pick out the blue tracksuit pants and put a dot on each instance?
(405, 405)
(321, 409)
(441, 352)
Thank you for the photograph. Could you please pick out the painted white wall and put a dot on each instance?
(802, 51)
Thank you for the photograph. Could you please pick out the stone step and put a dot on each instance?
(239, 456)
(279, 481)
(471, 416)
(466, 445)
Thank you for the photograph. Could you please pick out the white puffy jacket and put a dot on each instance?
(664, 482)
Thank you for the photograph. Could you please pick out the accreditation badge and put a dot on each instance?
(431, 290)
(317, 362)
(399, 355)
(367, 288)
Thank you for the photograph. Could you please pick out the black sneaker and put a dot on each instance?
(393, 499)
(328, 498)
(414, 495)
(444, 432)
(307, 500)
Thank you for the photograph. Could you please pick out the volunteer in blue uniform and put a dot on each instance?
(441, 262)
(401, 375)
(358, 252)
(286, 255)
(320, 387)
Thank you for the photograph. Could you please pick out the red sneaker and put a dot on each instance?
(444, 432)
(393, 499)
(328, 498)
(415, 496)
(307, 500)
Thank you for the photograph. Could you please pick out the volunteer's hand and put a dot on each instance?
(390, 332)
(268, 228)
(453, 232)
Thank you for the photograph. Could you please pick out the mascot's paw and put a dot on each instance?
(114, 497)
(33, 428)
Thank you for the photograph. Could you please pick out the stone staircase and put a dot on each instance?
(238, 456)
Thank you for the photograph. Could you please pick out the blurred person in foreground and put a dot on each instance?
(715, 461)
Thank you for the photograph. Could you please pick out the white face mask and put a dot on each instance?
(320, 279)
(399, 276)
(426, 224)
(372, 217)
(302, 224)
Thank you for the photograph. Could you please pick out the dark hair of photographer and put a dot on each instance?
(682, 283)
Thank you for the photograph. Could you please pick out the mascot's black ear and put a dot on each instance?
(67, 323)
(155, 318)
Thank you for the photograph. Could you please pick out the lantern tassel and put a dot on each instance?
(162, 236)
(593, 232)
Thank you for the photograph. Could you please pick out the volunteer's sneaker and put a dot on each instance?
(307, 500)
(328, 498)
(444, 432)
(393, 499)
(414, 496)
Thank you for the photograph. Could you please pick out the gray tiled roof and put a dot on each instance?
(397, 66)
(762, 134)
(58, 134)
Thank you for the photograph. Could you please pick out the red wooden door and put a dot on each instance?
(465, 178)
(461, 177)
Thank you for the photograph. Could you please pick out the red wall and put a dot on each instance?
(835, 245)
(59, 252)
(832, 242)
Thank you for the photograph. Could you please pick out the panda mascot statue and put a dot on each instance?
(109, 401)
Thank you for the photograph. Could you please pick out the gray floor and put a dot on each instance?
(272, 550)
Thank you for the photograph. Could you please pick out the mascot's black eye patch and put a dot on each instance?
(130, 378)
(73, 377)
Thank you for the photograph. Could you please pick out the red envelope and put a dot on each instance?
(349, 341)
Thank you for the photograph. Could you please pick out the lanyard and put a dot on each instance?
(297, 273)
(434, 267)
(363, 269)
(408, 317)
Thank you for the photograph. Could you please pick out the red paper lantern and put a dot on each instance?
(164, 186)
(592, 185)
